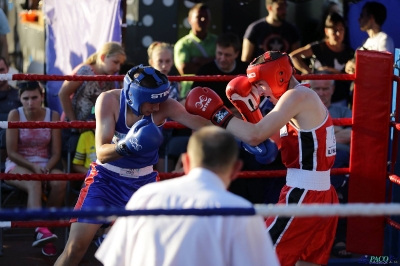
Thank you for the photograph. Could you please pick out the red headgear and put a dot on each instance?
(275, 68)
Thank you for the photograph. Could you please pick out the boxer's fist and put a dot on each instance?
(245, 98)
(264, 152)
(142, 138)
(206, 103)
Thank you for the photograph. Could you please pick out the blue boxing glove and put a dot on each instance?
(265, 152)
(143, 137)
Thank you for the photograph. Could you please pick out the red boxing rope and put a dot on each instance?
(394, 179)
(163, 176)
(42, 177)
(336, 122)
(215, 78)
(92, 124)
(259, 174)
(115, 77)
(34, 224)
(54, 124)
(395, 125)
(392, 223)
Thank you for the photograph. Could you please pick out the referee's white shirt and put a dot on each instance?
(187, 240)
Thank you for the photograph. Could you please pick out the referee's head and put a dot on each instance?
(215, 149)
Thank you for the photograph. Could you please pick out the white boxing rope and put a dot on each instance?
(350, 209)
(3, 124)
(6, 76)
(290, 210)
(5, 224)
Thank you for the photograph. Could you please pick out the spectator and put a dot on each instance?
(328, 8)
(197, 48)
(227, 50)
(371, 19)
(9, 100)
(330, 54)
(36, 151)
(210, 164)
(325, 89)
(271, 33)
(85, 152)
(4, 29)
(78, 97)
(161, 57)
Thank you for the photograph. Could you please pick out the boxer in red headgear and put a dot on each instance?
(308, 148)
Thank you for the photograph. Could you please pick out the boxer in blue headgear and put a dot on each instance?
(136, 94)
(127, 139)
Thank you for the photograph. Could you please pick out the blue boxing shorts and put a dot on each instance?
(109, 189)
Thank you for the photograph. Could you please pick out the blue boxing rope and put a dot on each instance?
(110, 214)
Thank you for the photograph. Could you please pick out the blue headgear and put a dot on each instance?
(135, 94)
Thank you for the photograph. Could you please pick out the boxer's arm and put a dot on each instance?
(105, 126)
(289, 106)
(205, 102)
(177, 112)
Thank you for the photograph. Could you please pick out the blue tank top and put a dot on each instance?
(121, 129)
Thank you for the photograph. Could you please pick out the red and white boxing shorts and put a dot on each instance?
(304, 238)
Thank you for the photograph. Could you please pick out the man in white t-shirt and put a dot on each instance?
(371, 19)
(211, 162)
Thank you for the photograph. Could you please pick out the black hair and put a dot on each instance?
(199, 6)
(333, 19)
(377, 10)
(229, 39)
(270, 2)
(29, 86)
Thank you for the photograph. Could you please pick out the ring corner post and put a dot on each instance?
(369, 147)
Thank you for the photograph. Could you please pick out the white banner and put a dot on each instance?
(74, 30)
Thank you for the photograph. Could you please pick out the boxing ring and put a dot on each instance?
(373, 156)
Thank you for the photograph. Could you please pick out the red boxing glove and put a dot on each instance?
(206, 103)
(245, 98)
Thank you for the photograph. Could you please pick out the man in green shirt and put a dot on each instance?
(198, 47)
